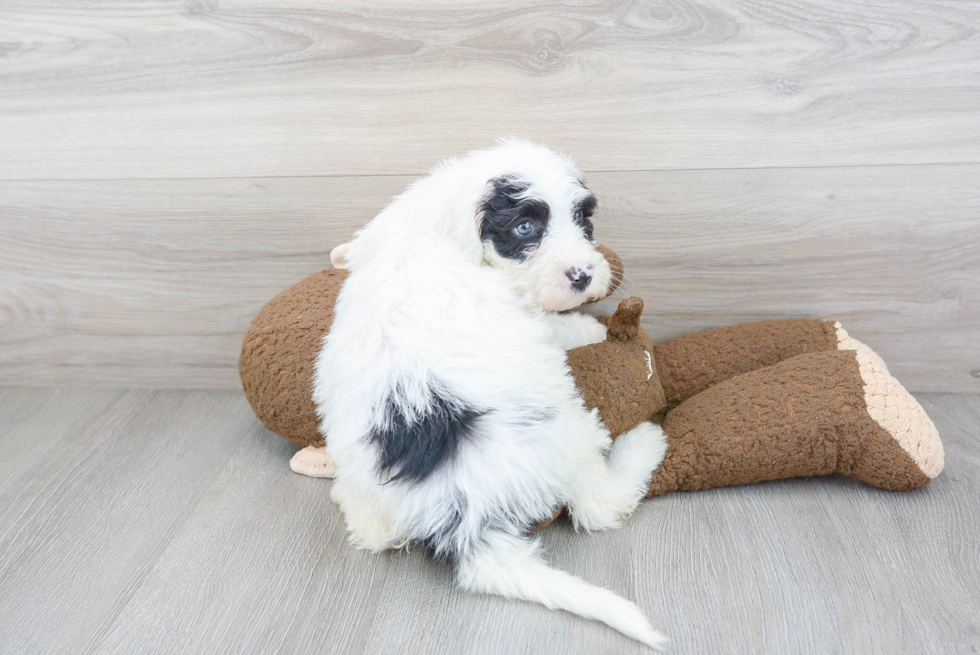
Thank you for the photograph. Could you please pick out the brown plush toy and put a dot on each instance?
(740, 404)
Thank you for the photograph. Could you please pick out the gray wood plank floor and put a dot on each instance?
(168, 521)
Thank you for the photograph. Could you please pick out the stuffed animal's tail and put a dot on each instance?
(512, 567)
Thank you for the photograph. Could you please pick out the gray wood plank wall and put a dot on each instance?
(166, 167)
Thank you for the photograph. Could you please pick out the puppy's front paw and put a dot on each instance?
(574, 329)
(594, 332)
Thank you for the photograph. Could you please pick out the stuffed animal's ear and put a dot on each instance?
(625, 323)
(338, 256)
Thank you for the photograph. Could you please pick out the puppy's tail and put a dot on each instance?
(512, 567)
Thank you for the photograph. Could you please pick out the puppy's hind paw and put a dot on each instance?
(635, 455)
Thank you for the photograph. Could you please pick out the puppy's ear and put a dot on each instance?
(338, 256)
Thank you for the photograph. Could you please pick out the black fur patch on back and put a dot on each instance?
(413, 450)
(504, 210)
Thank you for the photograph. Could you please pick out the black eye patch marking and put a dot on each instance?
(514, 224)
(583, 212)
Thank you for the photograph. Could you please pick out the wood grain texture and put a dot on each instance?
(148, 521)
(264, 562)
(153, 283)
(951, 562)
(198, 88)
(893, 253)
(94, 498)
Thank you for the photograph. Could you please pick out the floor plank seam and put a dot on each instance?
(48, 491)
(106, 626)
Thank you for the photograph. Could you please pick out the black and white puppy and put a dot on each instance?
(443, 390)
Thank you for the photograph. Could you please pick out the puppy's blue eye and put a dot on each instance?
(524, 229)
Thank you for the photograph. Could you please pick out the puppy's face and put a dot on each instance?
(541, 234)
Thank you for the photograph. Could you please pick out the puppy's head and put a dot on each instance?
(536, 225)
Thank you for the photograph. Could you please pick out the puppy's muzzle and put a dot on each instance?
(579, 277)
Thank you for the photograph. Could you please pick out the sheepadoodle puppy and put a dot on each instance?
(443, 390)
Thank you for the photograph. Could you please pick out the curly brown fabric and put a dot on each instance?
(619, 375)
(693, 362)
(278, 354)
(801, 417)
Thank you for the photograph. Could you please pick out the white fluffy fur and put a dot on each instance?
(430, 309)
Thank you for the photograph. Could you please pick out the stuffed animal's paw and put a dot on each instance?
(314, 462)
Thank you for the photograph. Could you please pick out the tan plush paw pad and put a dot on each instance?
(847, 342)
(314, 462)
(899, 414)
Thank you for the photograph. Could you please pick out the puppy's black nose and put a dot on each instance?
(580, 277)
